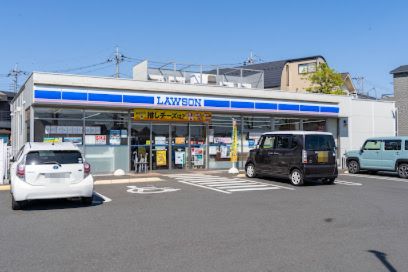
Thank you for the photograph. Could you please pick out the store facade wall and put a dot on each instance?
(112, 140)
(148, 126)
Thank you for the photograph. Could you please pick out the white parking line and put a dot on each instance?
(254, 189)
(224, 184)
(198, 185)
(375, 177)
(243, 186)
(344, 182)
(105, 198)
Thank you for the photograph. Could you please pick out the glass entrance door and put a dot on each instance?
(160, 147)
(198, 141)
(140, 147)
(179, 146)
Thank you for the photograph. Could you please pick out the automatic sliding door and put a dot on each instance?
(179, 146)
(140, 147)
(198, 136)
(160, 147)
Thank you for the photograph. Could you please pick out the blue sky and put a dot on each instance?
(365, 38)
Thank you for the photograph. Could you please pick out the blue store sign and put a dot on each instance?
(144, 100)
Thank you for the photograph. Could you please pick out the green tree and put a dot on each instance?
(325, 80)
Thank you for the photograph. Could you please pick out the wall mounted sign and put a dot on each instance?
(130, 99)
(71, 130)
(171, 115)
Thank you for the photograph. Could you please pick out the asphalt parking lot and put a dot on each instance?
(214, 222)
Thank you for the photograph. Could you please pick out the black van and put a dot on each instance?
(299, 155)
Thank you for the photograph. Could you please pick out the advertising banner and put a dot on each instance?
(161, 157)
(114, 137)
(234, 144)
(179, 157)
(171, 115)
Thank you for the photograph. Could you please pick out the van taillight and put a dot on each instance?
(304, 156)
(20, 170)
(87, 169)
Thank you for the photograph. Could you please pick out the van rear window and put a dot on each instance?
(53, 157)
(319, 142)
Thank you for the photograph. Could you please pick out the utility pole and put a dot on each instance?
(15, 73)
(360, 81)
(118, 58)
(250, 59)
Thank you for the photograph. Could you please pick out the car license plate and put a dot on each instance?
(57, 175)
(322, 156)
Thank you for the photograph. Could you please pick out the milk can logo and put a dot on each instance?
(178, 101)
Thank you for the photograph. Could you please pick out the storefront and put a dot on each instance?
(147, 126)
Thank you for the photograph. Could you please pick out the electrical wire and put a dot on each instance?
(97, 69)
(82, 67)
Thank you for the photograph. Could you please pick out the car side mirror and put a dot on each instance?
(12, 159)
(361, 150)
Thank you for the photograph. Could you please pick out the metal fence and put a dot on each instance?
(237, 77)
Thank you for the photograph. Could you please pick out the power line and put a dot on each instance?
(15, 74)
(82, 67)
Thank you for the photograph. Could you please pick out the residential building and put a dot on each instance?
(400, 76)
(292, 74)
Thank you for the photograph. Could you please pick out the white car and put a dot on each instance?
(50, 170)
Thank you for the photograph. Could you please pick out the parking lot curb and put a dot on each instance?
(127, 181)
(4, 187)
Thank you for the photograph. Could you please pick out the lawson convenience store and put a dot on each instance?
(140, 126)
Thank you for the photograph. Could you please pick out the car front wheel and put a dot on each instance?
(353, 167)
(296, 177)
(403, 170)
(250, 170)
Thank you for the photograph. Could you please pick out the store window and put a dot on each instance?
(101, 136)
(284, 124)
(253, 127)
(220, 140)
(314, 125)
(58, 125)
(106, 140)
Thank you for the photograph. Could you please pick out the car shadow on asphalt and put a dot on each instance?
(286, 182)
(380, 174)
(58, 204)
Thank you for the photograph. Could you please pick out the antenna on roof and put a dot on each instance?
(252, 59)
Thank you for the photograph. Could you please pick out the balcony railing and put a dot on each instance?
(237, 77)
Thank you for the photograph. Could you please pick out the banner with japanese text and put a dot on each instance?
(171, 115)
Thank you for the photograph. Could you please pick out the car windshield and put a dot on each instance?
(319, 142)
(53, 157)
